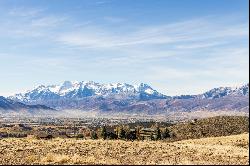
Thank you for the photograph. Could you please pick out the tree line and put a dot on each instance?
(137, 133)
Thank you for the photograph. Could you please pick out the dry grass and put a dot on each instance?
(214, 150)
(211, 127)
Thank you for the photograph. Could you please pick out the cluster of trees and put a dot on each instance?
(126, 133)
(15, 135)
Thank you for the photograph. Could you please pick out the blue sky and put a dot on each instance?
(176, 46)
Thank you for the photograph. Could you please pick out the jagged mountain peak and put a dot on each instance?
(89, 95)
(242, 90)
(77, 90)
(226, 91)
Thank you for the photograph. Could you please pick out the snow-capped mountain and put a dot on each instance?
(220, 92)
(226, 91)
(122, 97)
(79, 90)
(243, 90)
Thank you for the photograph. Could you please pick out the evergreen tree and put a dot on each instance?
(152, 136)
(158, 133)
(94, 135)
(121, 133)
(79, 136)
(166, 133)
(103, 132)
(111, 135)
(130, 134)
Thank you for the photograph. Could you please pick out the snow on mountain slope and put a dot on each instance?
(78, 90)
(122, 97)
(226, 91)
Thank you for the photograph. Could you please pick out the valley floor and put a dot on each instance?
(214, 150)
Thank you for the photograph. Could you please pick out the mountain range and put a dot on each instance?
(81, 90)
(11, 105)
(122, 97)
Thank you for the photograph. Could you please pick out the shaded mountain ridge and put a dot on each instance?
(11, 105)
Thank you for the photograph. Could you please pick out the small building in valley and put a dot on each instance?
(147, 134)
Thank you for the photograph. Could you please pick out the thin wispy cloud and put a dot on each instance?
(192, 31)
(49, 21)
(102, 41)
(25, 12)
(196, 45)
(30, 22)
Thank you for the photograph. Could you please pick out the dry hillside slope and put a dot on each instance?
(211, 127)
(215, 150)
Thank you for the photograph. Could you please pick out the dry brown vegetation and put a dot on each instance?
(211, 127)
(215, 150)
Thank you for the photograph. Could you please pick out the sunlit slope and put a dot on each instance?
(215, 150)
